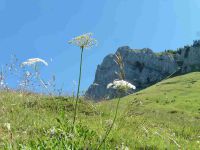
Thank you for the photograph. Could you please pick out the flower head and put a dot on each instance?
(84, 41)
(1, 83)
(8, 126)
(33, 61)
(121, 85)
(52, 131)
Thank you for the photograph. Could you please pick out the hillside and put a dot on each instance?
(143, 67)
(163, 116)
(165, 111)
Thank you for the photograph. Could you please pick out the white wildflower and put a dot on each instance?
(119, 84)
(1, 83)
(84, 41)
(124, 147)
(33, 61)
(108, 122)
(70, 135)
(8, 126)
(52, 131)
(109, 85)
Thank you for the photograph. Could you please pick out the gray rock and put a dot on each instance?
(189, 59)
(143, 68)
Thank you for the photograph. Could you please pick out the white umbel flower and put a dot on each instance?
(52, 131)
(84, 41)
(33, 61)
(121, 84)
(8, 126)
(1, 83)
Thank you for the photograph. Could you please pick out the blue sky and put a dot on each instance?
(41, 28)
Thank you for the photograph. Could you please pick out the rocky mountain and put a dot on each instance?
(143, 68)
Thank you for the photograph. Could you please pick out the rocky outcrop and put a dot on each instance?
(188, 58)
(143, 68)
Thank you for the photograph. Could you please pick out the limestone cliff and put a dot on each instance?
(143, 68)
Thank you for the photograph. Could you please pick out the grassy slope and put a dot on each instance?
(166, 115)
(171, 109)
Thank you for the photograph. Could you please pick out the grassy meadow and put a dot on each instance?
(163, 116)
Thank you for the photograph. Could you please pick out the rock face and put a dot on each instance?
(143, 68)
(188, 58)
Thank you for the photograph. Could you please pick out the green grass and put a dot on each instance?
(163, 116)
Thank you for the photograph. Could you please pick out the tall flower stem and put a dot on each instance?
(109, 129)
(79, 82)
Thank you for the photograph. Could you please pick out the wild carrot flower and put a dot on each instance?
(84, 41)
(121, 85)
(52, 131)
(1, 83)
(8, 126)
(33, 61)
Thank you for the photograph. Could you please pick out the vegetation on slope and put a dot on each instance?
(163, 116)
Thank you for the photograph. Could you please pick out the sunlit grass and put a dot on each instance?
(166, 115)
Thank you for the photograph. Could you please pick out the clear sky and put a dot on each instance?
(41, 28)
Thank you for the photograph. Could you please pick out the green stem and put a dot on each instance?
(108, 131)
(79, 81)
